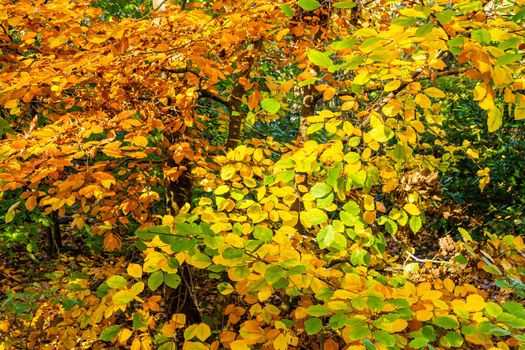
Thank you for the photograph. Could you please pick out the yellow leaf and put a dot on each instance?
(135, 344)
(281, 342)
(495, 119)
(475, 303)
(369, 202)
(412, 209)
(202, 332)
(239, 345)
(423, 101)
(392, 85)
(449, 284)
(11, 104)
(434, 92)
(168, 330)
(361, 79)
(394, 327)
(190, 345)
(140, 141)
(423, 315)
(179, 320)
(124, 335)
(431, 295)
(135, 270)
(227, 172)
(519, 113)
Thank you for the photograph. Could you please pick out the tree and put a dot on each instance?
(311, 242)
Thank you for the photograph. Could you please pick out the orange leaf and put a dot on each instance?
(112, 242)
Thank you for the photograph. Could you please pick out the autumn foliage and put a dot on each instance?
(144, 134)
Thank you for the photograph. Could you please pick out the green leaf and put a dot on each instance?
(508, 58)
(446, 16)
(316, 216)
(451, 339)
(109, 333)
(384, 338)
(116, 282)
(287, 10)
(262, 233)
(139, 321)
(446, 322)
(405, 21)
(460, 259)
(273, 274)
(319, 58)
(321, 189)
(270, 105)
(122, 297)
(360, 257)
(424, 30)
(482, 36)
(155, 280)
(317, 310)
(358, 332)
(326, 236)
(343, 44)
(344, 5)
(180, 244)
(415, 223)
(313, 325)
(309, 5)
(418, 343)
(375, 303)
(172, 280)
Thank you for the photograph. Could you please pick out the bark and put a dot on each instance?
(54, 236)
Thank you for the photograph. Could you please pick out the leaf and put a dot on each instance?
(392, 85)
(482, 36)
(309, 5)
(447, 322)
(316, 216)
(384, 338)
(319, 58)
(313, 325)
(134, 270)
(202, 331)
(345, 5)
(434, 92)
(508, 58)
(451, 339)
(155, 280)
(109, 333)
(325, 237)
(172, 280)
(321, 189)
(122, 297)
(412, 209)
(287, 10)
(495, 119)
(424, 30)
(270, 105)
(415, 223)
(273, 274)
(318, 310)
(140, 141)
(30, 203)
(116, 281)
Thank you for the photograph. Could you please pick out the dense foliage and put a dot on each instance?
(262, 174)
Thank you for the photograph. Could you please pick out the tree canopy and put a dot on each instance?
(262, 174)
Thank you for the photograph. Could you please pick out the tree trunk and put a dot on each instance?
(181, 299)
(54, 236)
